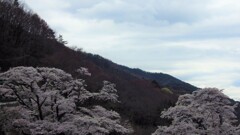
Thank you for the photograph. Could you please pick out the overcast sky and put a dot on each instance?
(197, 41)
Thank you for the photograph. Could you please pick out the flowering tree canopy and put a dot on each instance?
(83, 71)
(47, 103)
(206, 111)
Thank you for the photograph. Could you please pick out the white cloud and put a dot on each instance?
(197, 41)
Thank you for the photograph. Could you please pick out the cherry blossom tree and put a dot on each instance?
(206, 111)
(108, 92)
(47, 103)
(83, 71)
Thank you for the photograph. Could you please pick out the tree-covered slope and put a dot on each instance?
(27, 40)
(163, 80)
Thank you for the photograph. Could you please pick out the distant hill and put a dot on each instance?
(27, 40)
(163, 80)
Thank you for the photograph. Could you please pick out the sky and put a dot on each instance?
(197, 41)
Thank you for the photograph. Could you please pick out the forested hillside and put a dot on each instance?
(163, 80)
(27, 40)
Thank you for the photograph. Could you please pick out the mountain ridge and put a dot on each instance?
(164, 80)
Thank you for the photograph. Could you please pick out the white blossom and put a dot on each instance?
(83, 71)
(206, 111)
(47, 103)
(108, 92)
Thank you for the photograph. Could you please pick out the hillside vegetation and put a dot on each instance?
(27, 40)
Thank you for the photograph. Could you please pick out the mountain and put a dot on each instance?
(164, 80)
(160, 79)
(27, 40)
